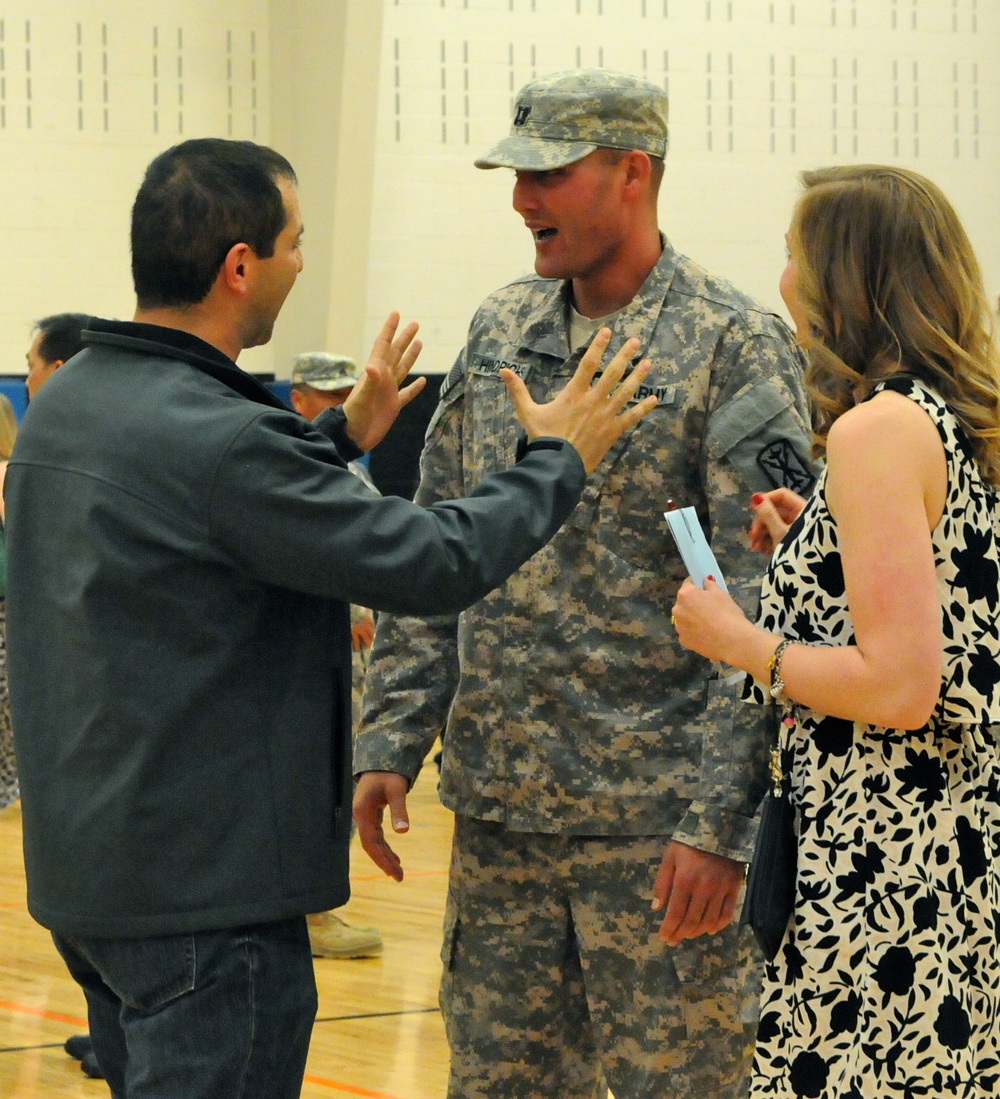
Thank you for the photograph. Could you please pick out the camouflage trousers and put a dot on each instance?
(555, 984)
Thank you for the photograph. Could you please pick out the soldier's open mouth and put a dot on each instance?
(545, 234)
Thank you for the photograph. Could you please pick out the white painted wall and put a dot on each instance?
(759, 90)
(382, 105)
(90, 91)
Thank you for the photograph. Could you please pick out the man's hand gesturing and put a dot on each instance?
(592, 415)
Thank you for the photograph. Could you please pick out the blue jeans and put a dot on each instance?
(212, 1015)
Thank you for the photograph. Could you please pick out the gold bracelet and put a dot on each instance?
(774, 669)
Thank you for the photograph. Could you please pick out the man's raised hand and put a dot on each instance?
(375, 401)
(592, 415)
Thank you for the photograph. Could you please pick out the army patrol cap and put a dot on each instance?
(561, 118)
(324, 371)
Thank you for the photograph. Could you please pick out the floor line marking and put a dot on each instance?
(29, 1049)
(379, 1015)
(308, 1078)
(43, 1013)
(347, 1089)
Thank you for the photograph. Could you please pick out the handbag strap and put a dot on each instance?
(780, 737)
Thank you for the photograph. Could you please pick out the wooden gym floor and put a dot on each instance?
(378, 1032)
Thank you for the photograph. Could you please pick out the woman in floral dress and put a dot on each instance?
(878, 637)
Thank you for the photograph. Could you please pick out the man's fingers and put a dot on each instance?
(397, 813)
(408, 392)
(383, 341)
(517, 390)
(675, 916)
(591, 415)
(401, 352)
(373, 842)
(635, 413)
(591, 361)
(663, 884)
(615, 370)
(627, 389)
(719, 916)
(408, 358)
(376, 793)
(726, 913)
(392, 350)
(689, 919)
(383, 856)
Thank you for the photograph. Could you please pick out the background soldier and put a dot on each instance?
(321, 381)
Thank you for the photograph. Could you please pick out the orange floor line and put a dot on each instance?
(347, 1089)
(42, 1013)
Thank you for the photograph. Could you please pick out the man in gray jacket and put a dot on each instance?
(591, 761)
(179, 633)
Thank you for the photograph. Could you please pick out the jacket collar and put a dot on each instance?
(172, 343)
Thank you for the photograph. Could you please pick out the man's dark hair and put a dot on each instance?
(61, 338)
(196, 201)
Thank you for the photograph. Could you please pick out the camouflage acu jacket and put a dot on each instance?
(568, 704)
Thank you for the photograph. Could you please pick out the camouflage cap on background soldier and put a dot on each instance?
(322, 370)
(561, 118)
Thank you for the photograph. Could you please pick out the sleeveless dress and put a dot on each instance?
(887, 983)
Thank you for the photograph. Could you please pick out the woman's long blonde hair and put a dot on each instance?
(8, 428)
(888, 283)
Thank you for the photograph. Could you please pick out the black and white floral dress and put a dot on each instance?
(887, 983)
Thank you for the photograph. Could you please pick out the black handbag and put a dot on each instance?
(770, 892)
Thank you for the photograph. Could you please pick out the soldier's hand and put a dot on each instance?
(590, 414)
(698, 890)
(376, 791)
(375, 401)
(362, 633)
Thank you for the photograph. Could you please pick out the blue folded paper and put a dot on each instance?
(693, 546)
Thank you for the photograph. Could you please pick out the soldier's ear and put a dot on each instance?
(638, 169)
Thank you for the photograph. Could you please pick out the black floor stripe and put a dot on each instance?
(26, 1049)
(378, 1015)
(319, 1019)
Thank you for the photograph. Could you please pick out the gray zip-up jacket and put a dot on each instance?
(182, 552)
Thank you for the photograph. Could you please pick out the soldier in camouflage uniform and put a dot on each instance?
(587, 756)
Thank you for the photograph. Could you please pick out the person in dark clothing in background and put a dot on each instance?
(54, 340)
